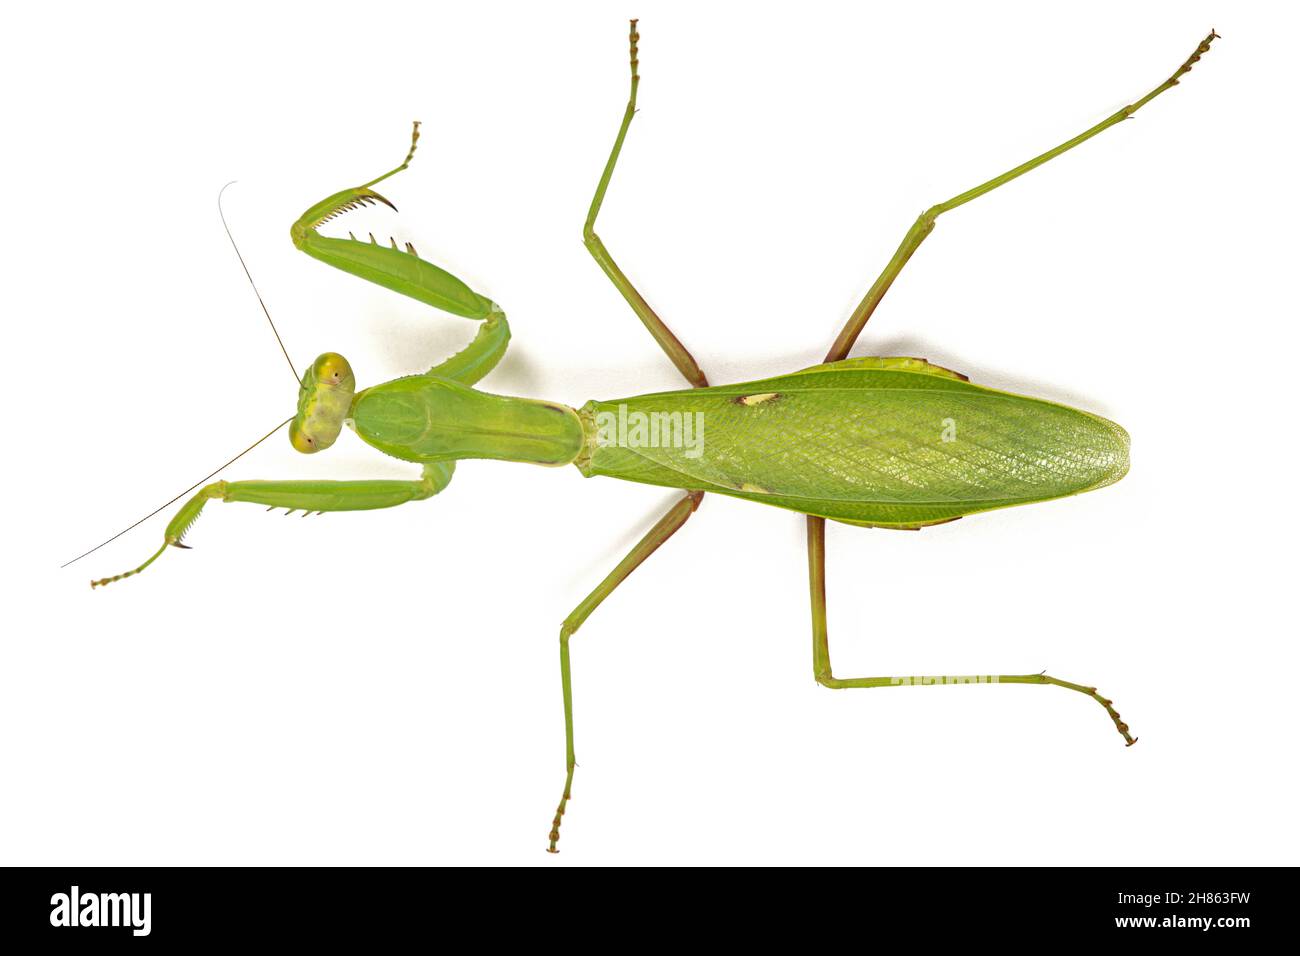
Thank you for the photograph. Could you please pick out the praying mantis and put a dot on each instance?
(882, 442)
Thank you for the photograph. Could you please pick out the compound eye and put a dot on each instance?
(301, 441)
(332, 368)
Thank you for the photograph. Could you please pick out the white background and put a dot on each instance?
(383, 687)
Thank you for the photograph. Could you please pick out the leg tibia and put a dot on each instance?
(826, 679)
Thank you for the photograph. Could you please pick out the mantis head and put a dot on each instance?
(324, 401)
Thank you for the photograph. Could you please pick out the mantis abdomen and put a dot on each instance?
(887, 442)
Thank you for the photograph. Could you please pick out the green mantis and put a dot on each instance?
(875, 442)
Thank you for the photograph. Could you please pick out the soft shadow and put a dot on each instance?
(916, 347)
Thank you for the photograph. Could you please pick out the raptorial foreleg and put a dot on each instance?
(304, 496)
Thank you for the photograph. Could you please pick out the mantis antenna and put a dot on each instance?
(222, 213)
(182, 494)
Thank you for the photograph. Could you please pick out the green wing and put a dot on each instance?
(890, 442)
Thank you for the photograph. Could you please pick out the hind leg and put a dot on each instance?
(925, 222)
(840, 349)
(822, 653)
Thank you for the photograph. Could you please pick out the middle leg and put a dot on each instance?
(669, 342)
